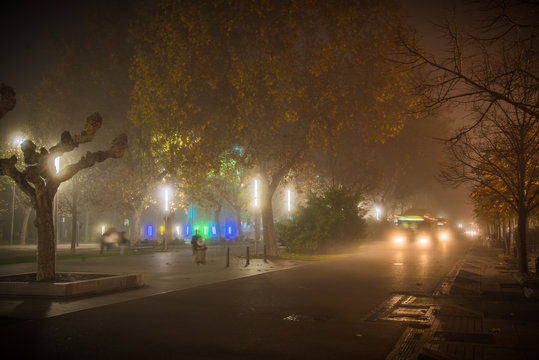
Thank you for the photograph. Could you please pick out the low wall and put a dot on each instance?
(98, 284)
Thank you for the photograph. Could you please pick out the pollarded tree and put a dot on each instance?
(40, 182)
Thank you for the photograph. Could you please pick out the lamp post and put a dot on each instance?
(378, 213)
(12, 214)
(256, 206)
(166, 220)
(289, 201)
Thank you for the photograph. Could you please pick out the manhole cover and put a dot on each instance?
(305, 318)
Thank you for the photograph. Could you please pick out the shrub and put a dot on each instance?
(325, 223)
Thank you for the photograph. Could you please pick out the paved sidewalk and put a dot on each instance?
(490, 312)
(162, 272)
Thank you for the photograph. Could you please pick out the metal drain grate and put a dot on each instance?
(402, 308)
(407, 346)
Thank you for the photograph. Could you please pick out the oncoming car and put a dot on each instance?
(419, 227)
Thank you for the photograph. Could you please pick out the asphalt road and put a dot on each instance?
(314, 311)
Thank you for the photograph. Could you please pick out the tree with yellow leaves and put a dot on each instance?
(276, 78)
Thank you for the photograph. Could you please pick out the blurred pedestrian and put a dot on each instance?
(108, 239)
(194, 240)
(123, 242)
(200, 251)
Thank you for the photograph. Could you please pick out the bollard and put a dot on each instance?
(265, 254)
(247, 256)
(227, 257)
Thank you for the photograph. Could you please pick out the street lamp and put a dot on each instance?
(166, 232)
(256, 206)
(256, 200)
(378, 213)
(289, 201)
(12, 214)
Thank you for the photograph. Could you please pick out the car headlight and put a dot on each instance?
(444, 236)
(398, 239)
(424, 240)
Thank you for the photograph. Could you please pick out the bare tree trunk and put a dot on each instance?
(268, 227)
(522, 228)
(74, 215)
(46, 247)
(134, 225)
(24, 228)
(506, 237)
(86, 232)
(511, 239)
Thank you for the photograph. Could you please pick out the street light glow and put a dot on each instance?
(289, 199)
(256, 193)
(378, 213)
(57, 164)
(17, 140)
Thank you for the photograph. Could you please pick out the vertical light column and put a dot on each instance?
(256, 199)
(256, 204)
(289, 201)
(166, 231)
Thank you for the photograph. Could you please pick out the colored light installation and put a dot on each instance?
(149, 230)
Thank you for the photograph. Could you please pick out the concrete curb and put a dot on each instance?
(103, 283)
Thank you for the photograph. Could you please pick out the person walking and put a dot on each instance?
(123, 242)
(200, 251)
(194, 240)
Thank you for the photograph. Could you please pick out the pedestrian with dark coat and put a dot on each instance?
(194, 240)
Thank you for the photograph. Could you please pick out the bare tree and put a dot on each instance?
(490, 70)
(40, 182)
(501, 154)
(493, 62)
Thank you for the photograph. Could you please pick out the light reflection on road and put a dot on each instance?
(413, 266)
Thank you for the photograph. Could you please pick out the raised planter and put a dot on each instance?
(67, 284)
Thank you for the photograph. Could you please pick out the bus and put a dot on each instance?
(419, 226)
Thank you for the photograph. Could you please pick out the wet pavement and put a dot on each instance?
(380, 302)
(483, 310)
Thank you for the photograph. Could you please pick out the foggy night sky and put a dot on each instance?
(25, 25)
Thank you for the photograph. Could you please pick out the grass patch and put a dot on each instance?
(311, 257)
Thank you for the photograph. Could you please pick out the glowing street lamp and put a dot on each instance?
(256, 205)
(57, 164)
(289, 201)
(166, 232)
(378, 213)
(256, 199)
